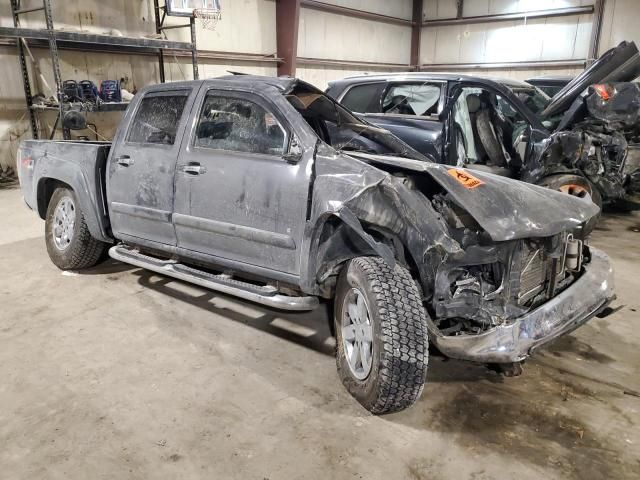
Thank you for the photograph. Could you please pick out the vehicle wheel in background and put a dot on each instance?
(381, 335)
(69, 243)
(578, 186)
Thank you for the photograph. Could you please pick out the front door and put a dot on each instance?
(237, 198)
(142, 165)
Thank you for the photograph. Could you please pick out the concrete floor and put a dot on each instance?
(120, 373)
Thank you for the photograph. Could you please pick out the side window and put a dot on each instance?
(363, 98)
(239, 125)
(158, 117)
(413, 99)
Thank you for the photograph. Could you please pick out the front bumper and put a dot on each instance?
(565, 312)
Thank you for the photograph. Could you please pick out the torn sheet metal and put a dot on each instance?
(467, 245)
(619, 64)
(514, 341)
(505, 208)
(617, 105)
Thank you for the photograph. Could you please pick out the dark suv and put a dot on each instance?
(572, 142)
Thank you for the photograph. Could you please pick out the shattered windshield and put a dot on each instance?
(345, 132)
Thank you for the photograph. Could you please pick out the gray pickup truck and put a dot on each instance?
(254, 187)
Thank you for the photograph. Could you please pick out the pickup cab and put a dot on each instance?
(258, 187)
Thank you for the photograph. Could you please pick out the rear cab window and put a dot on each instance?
(157, 118)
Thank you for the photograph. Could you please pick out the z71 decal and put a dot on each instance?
(465, 178)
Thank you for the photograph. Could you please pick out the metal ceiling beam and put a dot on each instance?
(507, 17)
(208, 54)
(328, 62)
(503, 65)
(416, 33)
(352, 12)
(93, 39)
(287, 22)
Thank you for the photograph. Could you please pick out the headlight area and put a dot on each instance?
(494, 285)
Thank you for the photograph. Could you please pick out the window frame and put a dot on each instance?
(187, 93)
(252, 97)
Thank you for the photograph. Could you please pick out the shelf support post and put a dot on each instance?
(25, 73)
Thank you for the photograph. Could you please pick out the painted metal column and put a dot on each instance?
(596, 31)
(287, 22)
(55, 64)
(159, 21)
(194, 48)
(25, 72)
(416, 34)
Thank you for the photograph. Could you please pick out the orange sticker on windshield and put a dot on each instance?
(465, 178)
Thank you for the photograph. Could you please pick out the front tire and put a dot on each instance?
(381, 335)
(578, 186)
(69, 243)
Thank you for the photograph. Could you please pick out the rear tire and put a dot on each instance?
(69, 242)
(392, 332)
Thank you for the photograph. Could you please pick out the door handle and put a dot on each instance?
(124, 160)
(192, 169)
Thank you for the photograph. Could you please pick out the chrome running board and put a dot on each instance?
(263, 294)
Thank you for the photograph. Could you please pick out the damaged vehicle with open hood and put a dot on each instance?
(269, 190)
(573, 142)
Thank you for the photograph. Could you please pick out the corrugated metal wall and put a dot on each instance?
(249, 26)
(540, 39)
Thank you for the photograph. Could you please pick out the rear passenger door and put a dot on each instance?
(237, 197)
(142, 163)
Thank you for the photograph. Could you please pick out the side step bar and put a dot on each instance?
(263, 294)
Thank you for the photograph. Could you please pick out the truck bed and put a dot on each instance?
(43, 164)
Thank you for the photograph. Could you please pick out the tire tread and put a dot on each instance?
(84, 251)
(403, 330)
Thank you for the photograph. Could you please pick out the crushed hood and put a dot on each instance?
(506, 209)
(619, 64)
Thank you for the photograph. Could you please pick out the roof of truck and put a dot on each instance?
(281, 83)
(284, 84)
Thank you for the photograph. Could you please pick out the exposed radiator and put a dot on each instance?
(533, 272)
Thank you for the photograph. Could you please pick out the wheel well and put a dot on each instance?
(46, 187)
(338, 244)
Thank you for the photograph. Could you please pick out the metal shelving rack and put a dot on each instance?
(52, 39)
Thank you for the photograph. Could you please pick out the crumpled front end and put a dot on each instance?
(594, 137)
(492, 292)
(515, 339)
(487, 251)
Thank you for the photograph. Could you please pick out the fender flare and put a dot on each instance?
(350, 219)
(91, 211)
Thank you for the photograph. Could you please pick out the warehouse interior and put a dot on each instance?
(117, 371)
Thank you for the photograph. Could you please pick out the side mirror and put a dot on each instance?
(295, 152)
